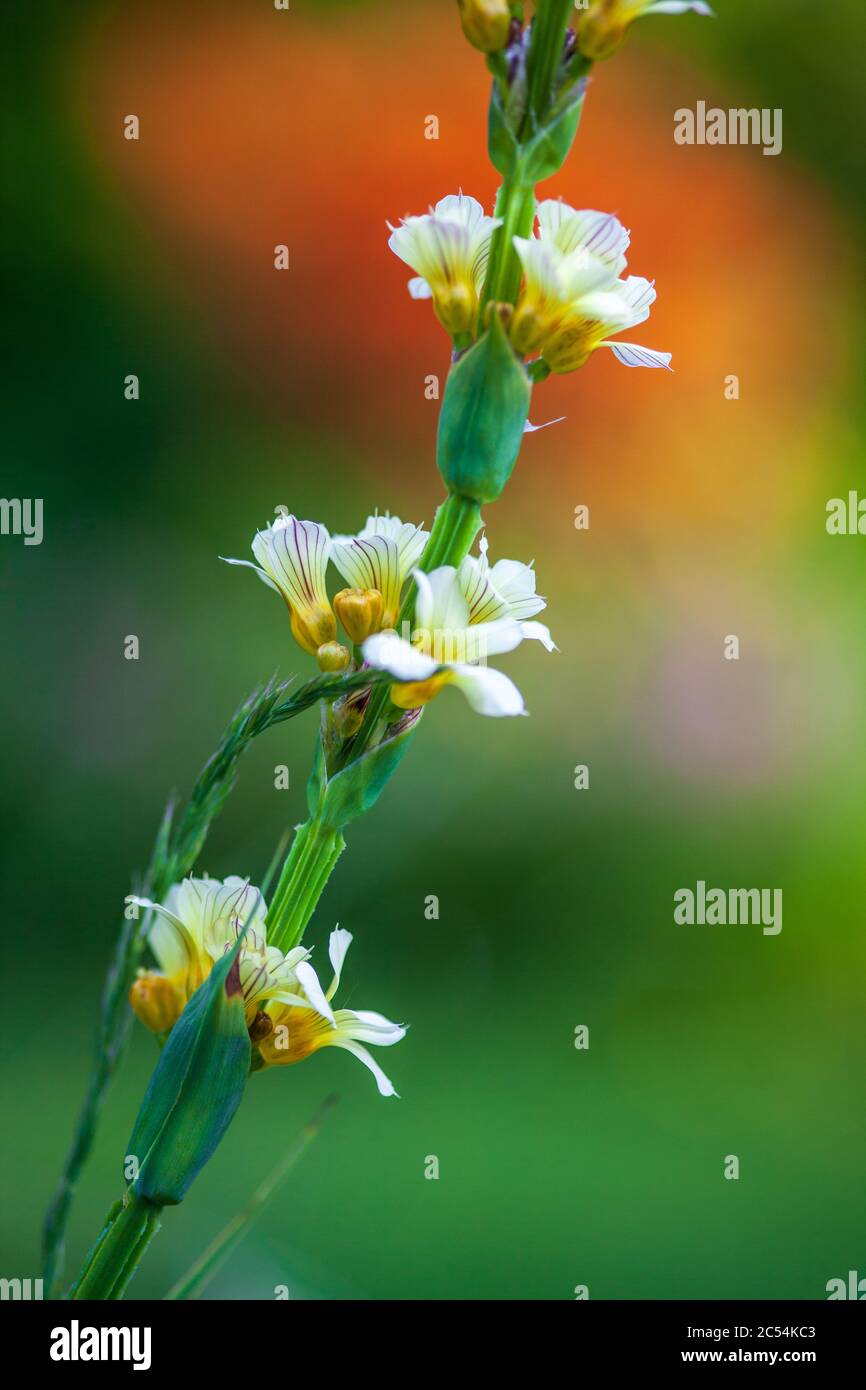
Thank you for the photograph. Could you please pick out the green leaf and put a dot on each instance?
(195, 1090)
(502, 143)
(353, 791)
(317, 781)
(545, 153)
(483, 415)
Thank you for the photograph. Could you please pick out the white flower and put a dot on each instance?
(448, 249)
(198, 923)
(573, 296)
(461, 618)
(505, 590)
(380, 557)
(293, 560)
(309, 1023)
(606, 22)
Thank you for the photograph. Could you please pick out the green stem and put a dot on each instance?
(309, 864)
(545, 53)
(129, 1229)
(515, 205)
(457, 523)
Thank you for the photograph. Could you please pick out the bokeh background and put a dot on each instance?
(557, 1167)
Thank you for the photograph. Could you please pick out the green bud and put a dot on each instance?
(195, 1089)
(483, 415)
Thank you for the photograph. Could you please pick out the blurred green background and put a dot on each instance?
(557, 1167)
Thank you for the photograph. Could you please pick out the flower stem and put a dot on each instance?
(129, 1229)
(456, 525)
(515, 206)
(309, 864)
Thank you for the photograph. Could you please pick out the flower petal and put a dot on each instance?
(338, 945)
(367, 1026)
(600, 234)
(678, 7)
(309, 982)
(441, 605)
(537, 632)
(388, 652)
(488, 691)
(371, 563)
(631, 355)
(295, 555)
(386, 1087)
(248, 564)
(174, 947)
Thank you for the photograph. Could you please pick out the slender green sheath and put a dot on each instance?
(545, 54)
(309, 864)
(131, 1226)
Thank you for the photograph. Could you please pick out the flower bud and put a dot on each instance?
(486, 23)
(602, 29)
(154, 1001)
(484, 412)
(360, 612)
(333, 656)
(349, 713)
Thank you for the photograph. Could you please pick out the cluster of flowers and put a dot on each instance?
(289, 1015)
(600, 26)
(574, 295)
(573, 298)
(462, 615)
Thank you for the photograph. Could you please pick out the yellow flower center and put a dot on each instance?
(296, 1033)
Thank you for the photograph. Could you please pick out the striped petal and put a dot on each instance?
(294, 555)
(631, 355)
(598, 234)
